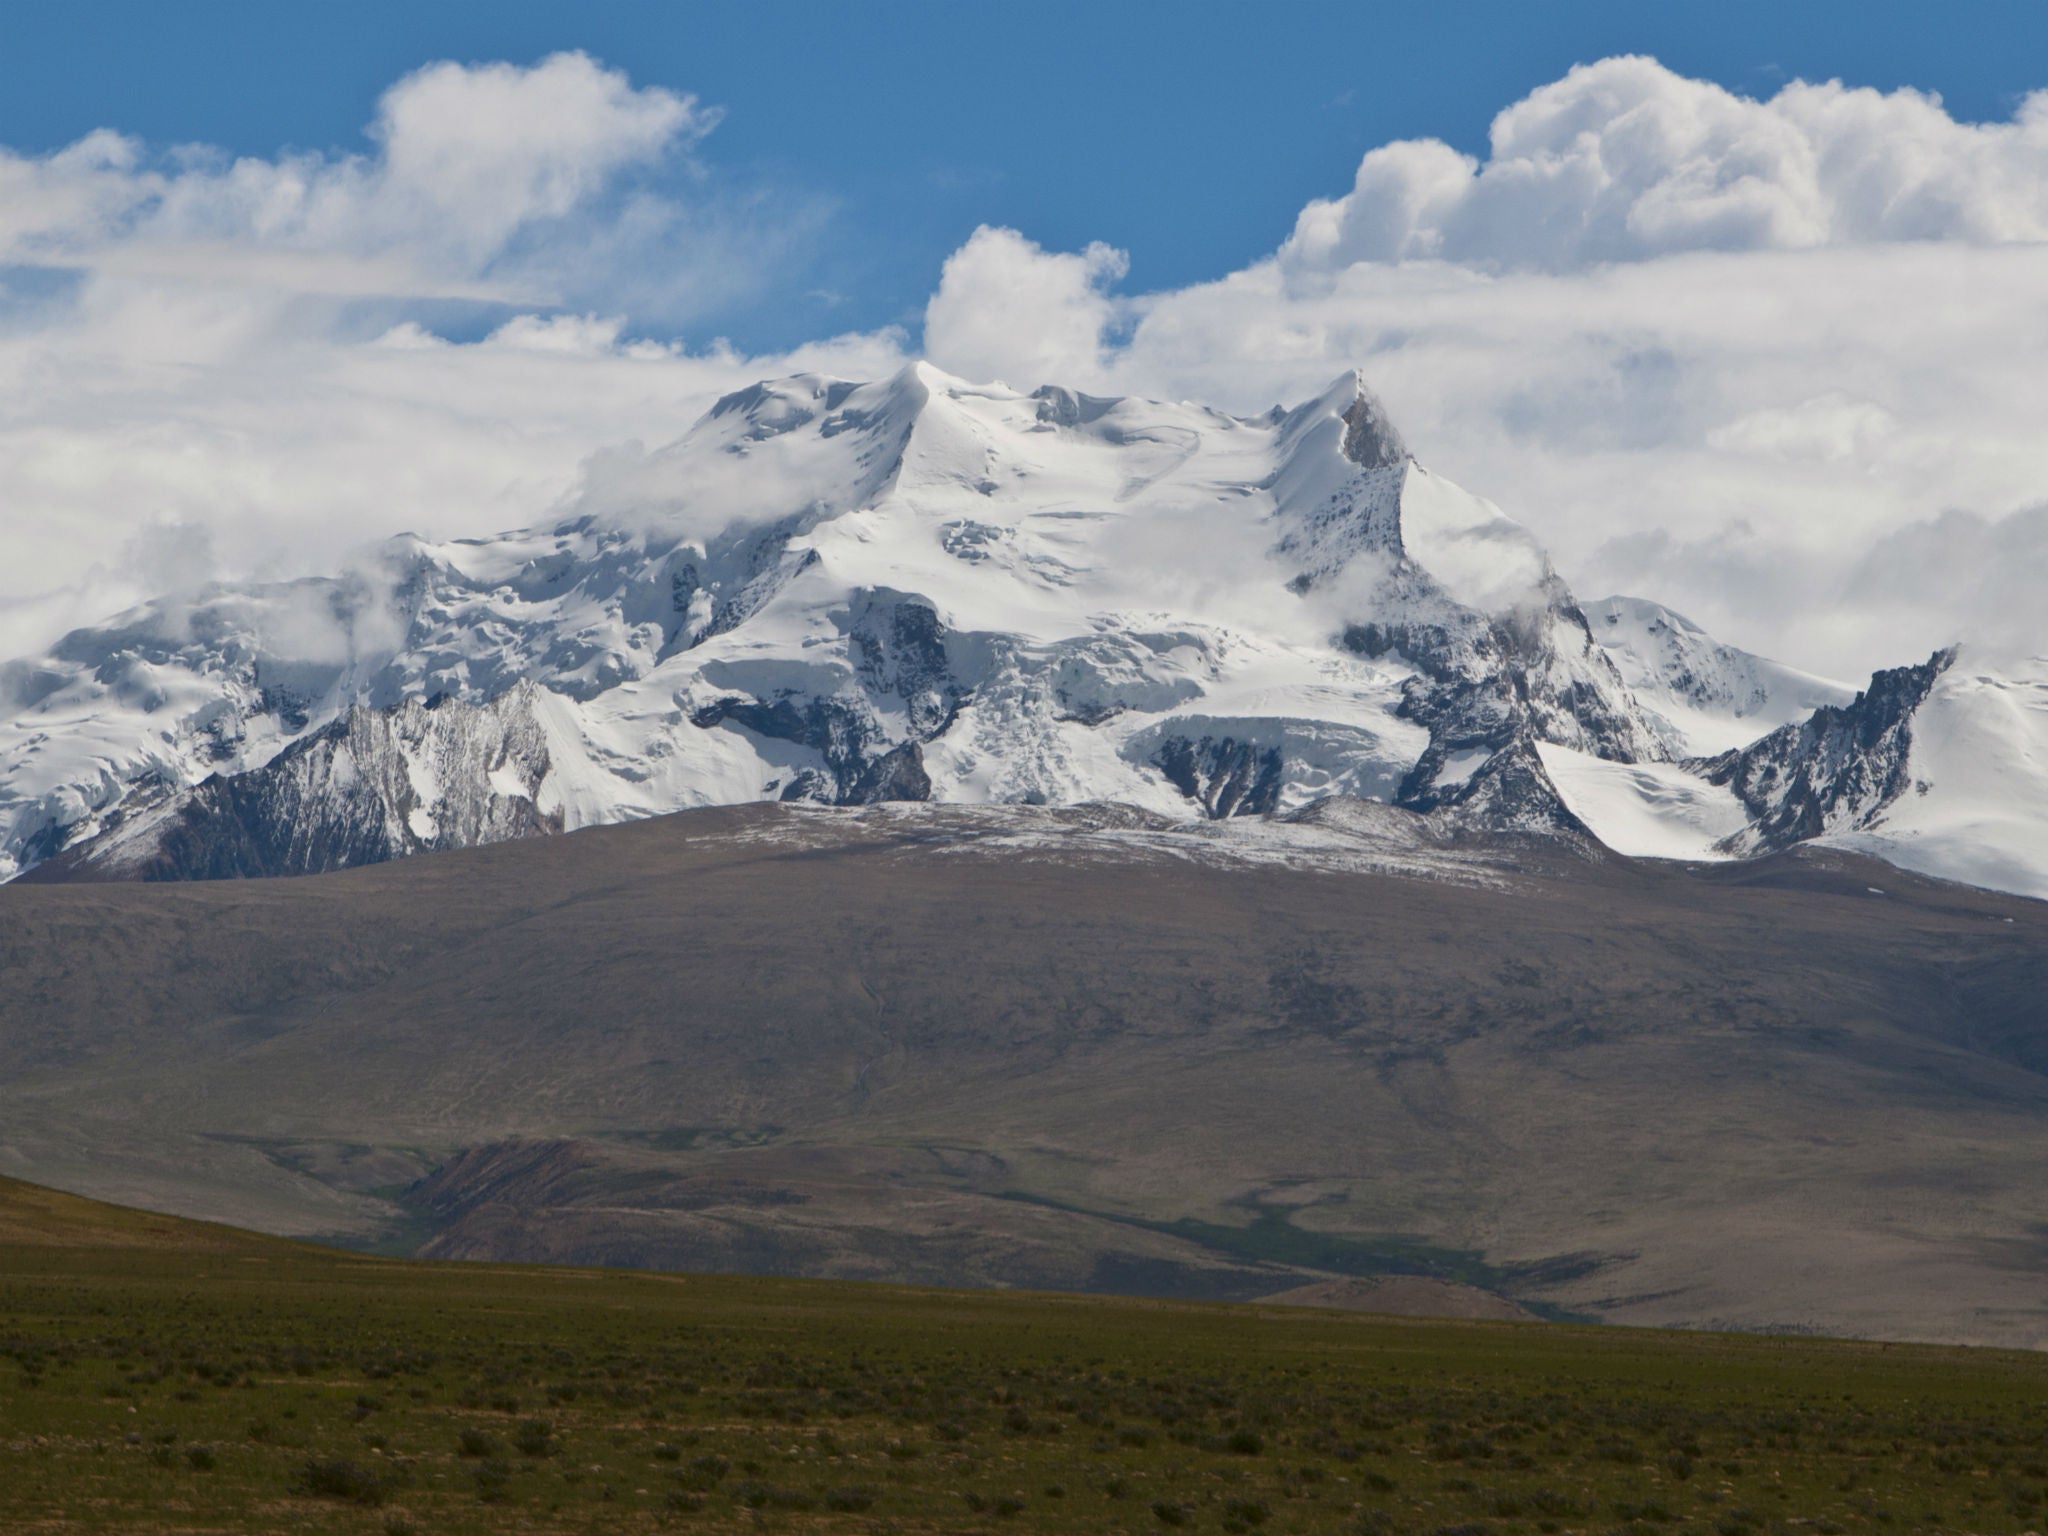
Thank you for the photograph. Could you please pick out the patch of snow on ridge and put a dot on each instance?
(1341, 836)
(1645, 810)
(1483, 559)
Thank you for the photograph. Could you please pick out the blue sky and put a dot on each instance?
(1186, 134)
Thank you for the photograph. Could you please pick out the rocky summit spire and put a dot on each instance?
(1370, 439)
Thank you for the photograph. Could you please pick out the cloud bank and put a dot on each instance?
(1715, 351)
(477, 172)
(1624, 161)
(219, 367)
(1774, 362)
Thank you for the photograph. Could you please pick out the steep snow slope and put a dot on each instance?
(1703, 697)
(1941, 768)
(1977, 810)
(914, 589)
(1647, 810)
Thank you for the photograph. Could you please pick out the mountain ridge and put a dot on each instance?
(918, 588)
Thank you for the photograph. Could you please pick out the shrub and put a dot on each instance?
(475, 1442)
(1650, 1510)
(767, 1496)
(339, 1478)
(1169, 1514)
(703, 1474)
(493, 1480)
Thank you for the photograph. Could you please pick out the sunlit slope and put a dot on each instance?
(32, 1216)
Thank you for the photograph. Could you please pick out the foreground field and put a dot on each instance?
(165, 1376)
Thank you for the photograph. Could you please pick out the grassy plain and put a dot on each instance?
(165, 1376)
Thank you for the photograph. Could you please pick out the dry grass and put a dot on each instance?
(144, 1387)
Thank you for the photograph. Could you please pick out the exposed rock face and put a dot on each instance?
(1224, 777)
(1511, 792)
(1483, 688)
(1370, 440)
(375, 785)
(1836, 771)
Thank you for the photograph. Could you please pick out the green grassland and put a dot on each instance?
(158, 1375)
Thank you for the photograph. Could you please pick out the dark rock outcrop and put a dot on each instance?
(1835, 770)
(376, 784)
(1224, 776)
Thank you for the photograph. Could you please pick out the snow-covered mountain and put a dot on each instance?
(1702, 697)
(916, 589)
(1940, 768)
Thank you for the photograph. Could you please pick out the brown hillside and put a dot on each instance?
(1063, 1049)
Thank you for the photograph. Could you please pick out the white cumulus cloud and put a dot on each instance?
(1007, 309)
(214, 366)
(1775, 362)
(1624, 160)
(469, 161)
(1713, 350)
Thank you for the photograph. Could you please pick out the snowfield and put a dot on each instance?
(923, 589)
(1977, 809)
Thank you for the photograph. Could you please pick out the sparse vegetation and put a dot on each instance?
(242, 1385)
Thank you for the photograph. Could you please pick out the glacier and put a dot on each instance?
(924, 589)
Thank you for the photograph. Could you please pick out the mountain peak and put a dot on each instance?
(1703, 697)
(1370, 438)
(919, 588)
